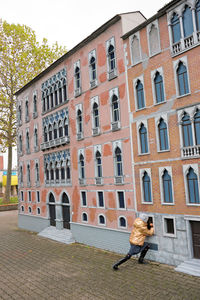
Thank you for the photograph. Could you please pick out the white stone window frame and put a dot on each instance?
(186, 168)
(37, 182)
(22, 196)
(138, 126)
(117, 199)
(92, 102)
(109, 42)
(29, 196)
(95, 149)
(157, 122)
(90, 55)
(142, 171)
(112, 92)
(79, 107)
(38, 213)
(184, 60)
(36, 196)
(191, 112)
(137, 35)
(82, 217)
(29, 210)
(28, 150)
(20, 151)
(172, 235)
(97, 197)
(100, 224)
(116, 144)
(161, 172)
(77, 64)
(149, 26)
(35, 112)
(27, 110)
(21, 175)
(153, 75)
(141, 78)
(36, 146)
(28, 163)
(82, 198)
(122, 227)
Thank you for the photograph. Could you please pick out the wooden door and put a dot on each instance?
(196, 238)
(66, 216)
(52, 213)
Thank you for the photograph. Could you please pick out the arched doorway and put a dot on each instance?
(52, 210)
(66, 211)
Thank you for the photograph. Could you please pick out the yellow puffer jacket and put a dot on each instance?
(139, 232)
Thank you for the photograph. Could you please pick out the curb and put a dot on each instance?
(6, 207)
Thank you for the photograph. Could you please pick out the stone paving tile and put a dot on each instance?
(32, 267)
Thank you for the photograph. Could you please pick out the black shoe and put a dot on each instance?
(115, 267)
(144, 262)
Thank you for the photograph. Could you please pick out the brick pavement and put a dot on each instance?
(32, 267)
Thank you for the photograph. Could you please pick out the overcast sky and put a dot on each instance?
(69, 22)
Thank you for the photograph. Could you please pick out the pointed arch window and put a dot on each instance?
(187, 131)
(64, 90)
(28, 174)
(51, 97)
(197, 127)
(27, 142)
(95, 115)
(60, 129)
(35, 104)
(62, 171)
(187, 22)
(51, 171)
(111, 58)
(176, 31)
(135, 50)
(26, 111)
(66, 127)
(77, 78)
(143, 139)
(98, 164)
(56, 95)
(47, 172)
(36, 138)
(115, 108)
(50, 133)
(163, 135)
(20, 143)
(182, 79)
(55, 131)
(37, 178)
(21, 175)
(118, 162)
(197, 11)
(159, 88)
(167, 187)
(45, 134)
(79, 121)
(57, 171)
(146, 187)
(68, 171)
(122, 222)
(82, 166)
(193, 187)
(140, 95)
(92, 67)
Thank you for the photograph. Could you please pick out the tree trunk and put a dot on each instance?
(9, 171)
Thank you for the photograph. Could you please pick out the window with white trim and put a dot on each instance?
(181, 77)
(135, 48)
(101, 220)
(157, 78)
(139, 93)
(79, 121)
(146, 186)
(93, 69)
(192, 184)
(162, 134)
(153, 38)
(83, 198)
(121, 204)
(169, 227)
(100, 201)
(28, 173)
(111, 58)
(122, 222)
(166, 185)
(77, 79)
(95, 116)
(29, 196)
(84, 217)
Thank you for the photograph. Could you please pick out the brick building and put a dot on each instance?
(74, 147)
(163, 80)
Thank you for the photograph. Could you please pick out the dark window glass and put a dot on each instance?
(163, 137)
(118, 157)
(147, 188)
(50, 133)
(55, 131)
(193, 187)
(167, 187)
(121, 199)
(100, 199)
(96, 115)
(84, 200)
(187, 22)
(143, 139)
(115, 108)
(77, 77)
(82, 166)
(122, 222)
(56, 97)
(198, 15)
(140, 94)
(169, 226)
(101, 219)
(60, 129)
(85, 217)
(175, 25)
(182, 79)
(93, 68)
(79, 119)
(187, 131)
(98, 164)
(60, 95)
(158, 81)
(52, 100)
(111, 55)
(197, 127)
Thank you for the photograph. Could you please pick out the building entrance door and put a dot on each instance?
(196, 238)
(52, 210)
(66, 211)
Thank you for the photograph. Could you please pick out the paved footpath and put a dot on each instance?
(32, 267)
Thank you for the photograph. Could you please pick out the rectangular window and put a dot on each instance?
(83, 198)
(38, 196)
(29, 196)
(169, 227)
(121, 202)
(100, 199)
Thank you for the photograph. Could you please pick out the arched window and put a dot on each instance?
(122, 222)
(193, 186)
(65, 198)
(66, 127)
(48, 102)
(82, 166)
(56, 95)
(143, 139)
(51, 198)
(51, 171)
(47, 172)
(146, 187)
(62, 171)
(68, 175)
(26, 110)
(21, 174)
(77, 78)
(187, 22)
(19, 113)
(167, 187)
(159, 88)
(111, 58)
(175, 26)
(95, 115)
(51, 97)
(20, 143)
(64, 90)
(98, 164)
(27, 142)
(197, 127)
(60, 94)
(34, 103)
(57, 171)
(163, 136)
(28, 174)
(135, 49)
(93, 75)
(101, 219)
(79, 121)
(115, 108)
(118, 162)
(45, 134)
(55, 131)
(50, 133)
(36, 137)
(60, 129)
(140, 94)
(154, 40)
(187, 131)
(182, 79)
(84, 217)
(198, 15)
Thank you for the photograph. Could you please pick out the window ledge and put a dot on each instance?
(171, 204)
(159, 103)
(142, 154)
(139, 109)
(154, 54)
(181, 96)
(147, 203)
(193, 204)
(163, 151)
